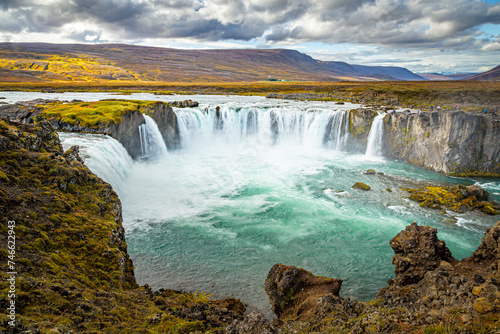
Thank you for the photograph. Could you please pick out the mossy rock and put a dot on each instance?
(76, 273)
(361, 186)
(456, 198)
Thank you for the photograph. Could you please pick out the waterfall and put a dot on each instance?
(152, 144)
(270, 126)
(374, 146)
(103, 155)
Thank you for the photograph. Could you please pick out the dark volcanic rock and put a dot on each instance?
(184, 104)
(417, 251)
(293, 292)
(488, 252)
(479, 193)
(166, 119)
(126, 131)
(253, 323)
(360, 121)
(456, 143)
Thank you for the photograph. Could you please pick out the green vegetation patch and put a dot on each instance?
(457, 198)
(93, 114)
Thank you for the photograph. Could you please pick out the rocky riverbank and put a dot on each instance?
(75, 275)
(431, 293)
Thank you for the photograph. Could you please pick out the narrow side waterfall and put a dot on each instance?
(152, 144)
(104, 156)
(269, 126)
(374, 146)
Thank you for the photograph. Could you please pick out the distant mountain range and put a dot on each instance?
(447, 77)
(43, 62)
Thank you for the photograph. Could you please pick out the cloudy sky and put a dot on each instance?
(422, 35)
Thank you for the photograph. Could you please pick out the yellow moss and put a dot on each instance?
(361, 186)
(93, 114)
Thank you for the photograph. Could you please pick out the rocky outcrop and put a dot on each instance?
(360, 121)
(184, 104)
(126, 131)
(166, 119)
(455, 143)
(458, 198)
(253, 323)
(432, 292)
(75, 275)
(361, 186)
(417, 251)
(293, 292)
(488, 253)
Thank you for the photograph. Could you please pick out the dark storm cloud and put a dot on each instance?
(412, 23)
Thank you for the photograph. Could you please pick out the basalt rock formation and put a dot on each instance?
(455, 142)
(74, 272)
(431, 293)
(125, 130)
(293, 292)
(360, 121)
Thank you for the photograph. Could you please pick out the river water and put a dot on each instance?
(267, 181)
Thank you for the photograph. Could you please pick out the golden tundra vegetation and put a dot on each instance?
(471, 96)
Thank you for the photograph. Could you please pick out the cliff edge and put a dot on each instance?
(455, 143)
(71, 272)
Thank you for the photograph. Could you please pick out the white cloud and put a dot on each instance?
(419, 26)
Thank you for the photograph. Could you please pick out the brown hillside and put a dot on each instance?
(35, 62)
(491, 75)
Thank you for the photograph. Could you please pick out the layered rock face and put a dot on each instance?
(455, 143)
(360, 121)
(166, 119)
(126, 131)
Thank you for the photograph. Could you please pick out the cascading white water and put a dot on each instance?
(269, 126)
(105, 156)
(374, 146)
(152, 144)
(218, 214)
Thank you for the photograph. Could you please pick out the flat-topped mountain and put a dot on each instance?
(42, 62)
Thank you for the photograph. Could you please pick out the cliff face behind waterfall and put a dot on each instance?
(455, 143)
(119, 119)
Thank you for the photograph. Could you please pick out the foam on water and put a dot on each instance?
(267, 182)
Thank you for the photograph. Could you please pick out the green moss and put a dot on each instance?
(4, 176)
(93, 114)
(450, 197)
(361, 186)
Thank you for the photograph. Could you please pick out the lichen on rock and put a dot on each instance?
(361, 186)
(457, 198)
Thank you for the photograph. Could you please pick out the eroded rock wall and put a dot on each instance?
(455, 143)
(126, 131)
(360, 121)
(166, 119)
